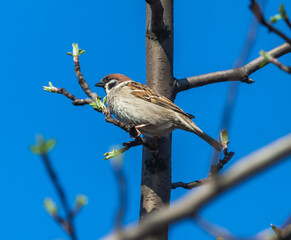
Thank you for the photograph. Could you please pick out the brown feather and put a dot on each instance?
(143, 92)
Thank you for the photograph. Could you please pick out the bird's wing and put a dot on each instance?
(145, 93)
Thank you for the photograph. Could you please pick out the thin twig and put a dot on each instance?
(284, 232)
(237, 74)
(287, 21)
(214, 170)
(194, 201)
(218, 231)
(66, 223)
(280, 65)
(234, 86)
(255, 8)
(75, 100)
(84, 85)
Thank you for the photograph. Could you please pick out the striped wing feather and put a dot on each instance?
(145, 93)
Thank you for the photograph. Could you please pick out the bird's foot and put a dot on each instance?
(134, 131)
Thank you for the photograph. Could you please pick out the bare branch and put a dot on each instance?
(214, 170)
(287, 21)
(266, 234)
(280, 65)
(66, 223)
(236, 74)
(84, 85)
(218, 231)
(75, 100)
(255, 8)
(149, 143)
(194, 201)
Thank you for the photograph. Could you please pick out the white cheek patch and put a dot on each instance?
(116, 86)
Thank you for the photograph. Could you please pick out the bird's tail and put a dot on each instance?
(212, 142)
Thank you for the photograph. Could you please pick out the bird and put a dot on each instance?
(151, 113)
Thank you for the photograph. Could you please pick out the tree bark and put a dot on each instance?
(156, 167)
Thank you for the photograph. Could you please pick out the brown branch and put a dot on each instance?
(266, 234)
(128, 128)
(280, 65)
(84, 85)
(255, 8)
(76, 101)
(194, 201)
(236, 74)
(150, 143)
(214, 170)
(66, 223)
(218, 231)
(287, 21)
(157, 25)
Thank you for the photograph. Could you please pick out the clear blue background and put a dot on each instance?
(208, 37)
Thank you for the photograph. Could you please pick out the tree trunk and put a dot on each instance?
(156, 168)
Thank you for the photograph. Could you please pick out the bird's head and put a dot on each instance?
(111, 81)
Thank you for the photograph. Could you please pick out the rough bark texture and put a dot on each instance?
(156, 168)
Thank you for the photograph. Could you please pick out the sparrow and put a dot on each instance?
(151, 113)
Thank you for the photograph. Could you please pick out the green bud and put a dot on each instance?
(267, 57)
(81, 51)
(81, 200)
(104, 100)
(224, 138)
(98, 104)
(42, 146)
(282, 11)
(114, 153)
(75, 49)
(50, 206)
(51, 88)
(275, 18)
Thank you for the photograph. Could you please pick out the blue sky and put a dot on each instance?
(208, 37)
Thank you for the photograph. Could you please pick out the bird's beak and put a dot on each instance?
(99, 84)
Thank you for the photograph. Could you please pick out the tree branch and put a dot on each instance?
(66, 223)
(214, 170)
(280, 65)
(287, 21)
(255, 8)
(194, 201)
(84, 85)
(266, 234)
(236, 74)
